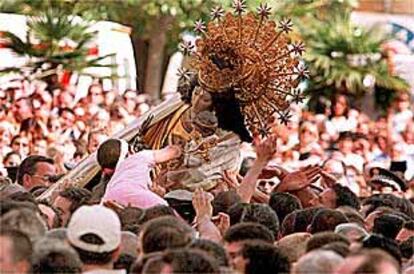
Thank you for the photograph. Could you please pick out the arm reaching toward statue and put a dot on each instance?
(167, 154)
(265, 151)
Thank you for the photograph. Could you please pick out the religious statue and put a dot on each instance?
(244, 70)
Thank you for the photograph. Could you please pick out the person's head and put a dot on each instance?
(256, 257)
(386, 244)
(353, 215)
(340, 106)
(308, 133)
(21, 145)
(191, 261)
(39, 147)
(95, 138)
(50, 214)
(402, 101)
(12, 159)
(388, 225)
(298, 220)
(321, 239)
(35, 171)
(95, 94)
(22, 109)
(224, 201)
(318, 261)
(339, 195)
(345, 143)
(284, 203)
(69, 200)
(16, 249)
(67, 117)
(163, 233)
(352, 231)
(131, 219)
(326, 220)
(262, 214)
(294, 245)
(214, 249)
(95, 233)
(51, 256)
(157, 211)
(108, 153)
(236, 234)
(373, 261)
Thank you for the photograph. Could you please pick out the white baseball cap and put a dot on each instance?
(98, 220)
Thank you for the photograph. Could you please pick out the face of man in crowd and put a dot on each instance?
(22, 110)
(13, 160)
(5, 136)
(67, 119)
(8, 264)
(41, 177)
(340, 106)
(63, 206)
(21, 145)
(346, 145)
(95, 140)
(96, 96)
(40, 147)
(234, 252)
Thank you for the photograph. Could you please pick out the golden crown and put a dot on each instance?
(251, 55)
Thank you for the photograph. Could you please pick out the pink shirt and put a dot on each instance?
(130, 183)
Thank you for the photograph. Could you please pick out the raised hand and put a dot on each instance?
(299, 179)
(202, 204)
(266, 149)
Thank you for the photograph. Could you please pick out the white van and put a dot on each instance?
(111, 38)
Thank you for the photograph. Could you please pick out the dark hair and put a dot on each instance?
(163, 233)
(388, 225)
(108, 153)
(29, 165)
(326, 220)
(11, 153)
(138, 266)
(334, 100)
(284, 203)
(214, 249)
(21, 244)
(236, 211)
(262, 214)
(323, 238)
(352, 215)
(389, 200)
(248, 231)
(263, 257)
(388, 245)
(409, 225)
(156, 211)
(407, 248)
(189, 261)
(61, 110)
(124, 261)
(224, 201)
(345, 197)
(130, 218)
(56, 258)
(77, 196)
(298, 220)
(244, 168)
(88, 257)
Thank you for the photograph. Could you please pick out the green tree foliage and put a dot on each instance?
(56, 40)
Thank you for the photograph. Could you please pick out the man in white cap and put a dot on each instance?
(95, 233)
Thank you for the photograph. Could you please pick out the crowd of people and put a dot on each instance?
(331, 192)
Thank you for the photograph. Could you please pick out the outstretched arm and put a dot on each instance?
(265, 151)
(166, 154)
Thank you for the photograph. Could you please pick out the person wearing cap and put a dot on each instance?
(383, 180)
(130, 182)
(95, 233)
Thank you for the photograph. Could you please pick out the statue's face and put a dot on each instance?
(201, 100)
